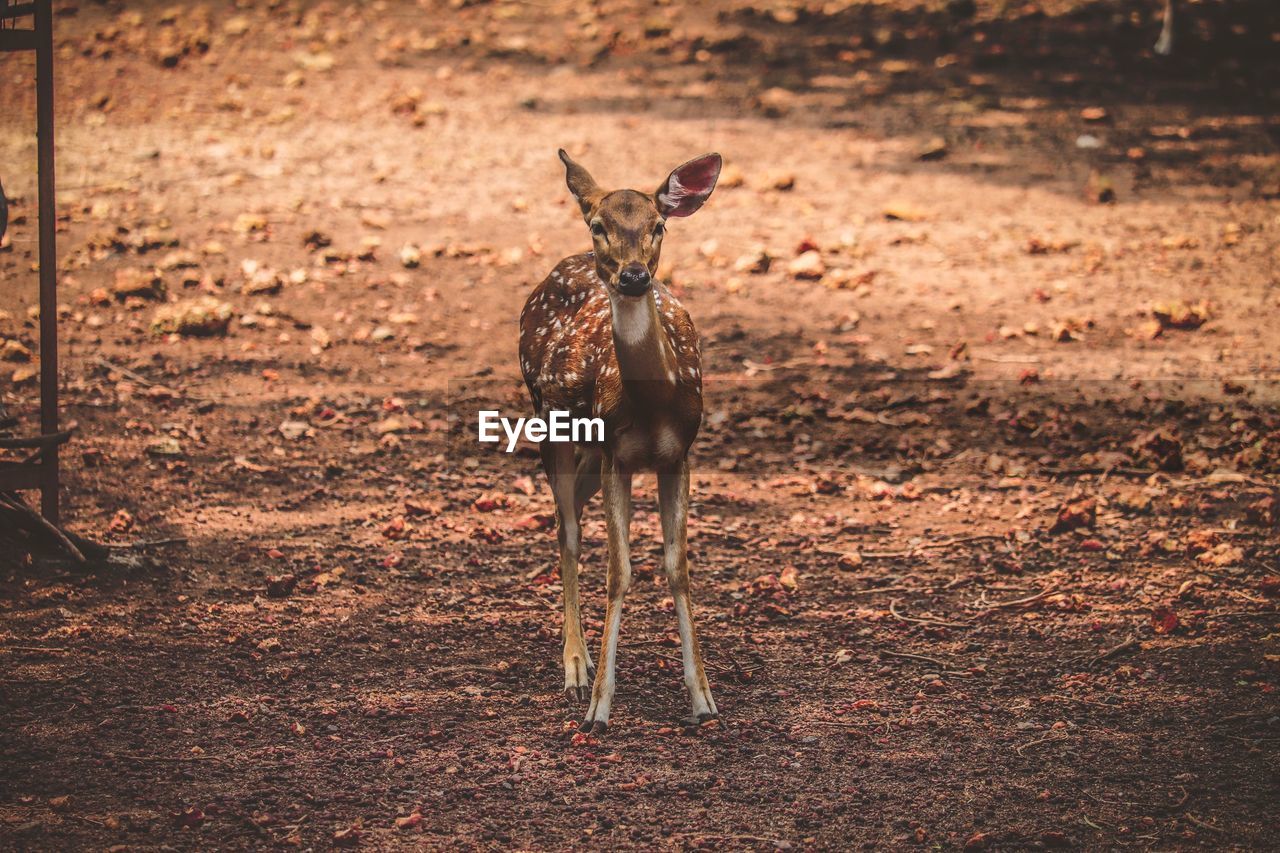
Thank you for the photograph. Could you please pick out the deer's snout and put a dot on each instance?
(634, 279)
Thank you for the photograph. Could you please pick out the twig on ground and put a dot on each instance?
(1198, 822)
(144, 543)
(166, 758)
(1058, 697)
(893, 608)
(802, 361)
(719, 667)
(43, 442)
(123, 371)
(57, 680)
(1008, 359)
(1182, 802)
(1097, 470)
(874, 590)
(1115, 650)
(1018, 602)
(142, 380)
(17, 506)
(756, 839)
(960, 540)
(1136, 803)
(91, 820)
(1185, 482)
(1050, 738)
(907, 656)
(1244, 715)
(1243, 614)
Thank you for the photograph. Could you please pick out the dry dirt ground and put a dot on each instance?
(984, 529)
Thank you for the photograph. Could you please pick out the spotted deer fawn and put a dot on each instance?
(601, 337)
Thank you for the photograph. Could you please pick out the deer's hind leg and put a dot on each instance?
(673, 505)
(574, 477)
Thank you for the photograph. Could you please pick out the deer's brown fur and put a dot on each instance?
(648, 394)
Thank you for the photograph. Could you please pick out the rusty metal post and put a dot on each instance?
(48, 257)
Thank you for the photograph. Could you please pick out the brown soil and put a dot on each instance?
(985, 551)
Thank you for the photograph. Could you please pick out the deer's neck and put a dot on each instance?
(645, 357)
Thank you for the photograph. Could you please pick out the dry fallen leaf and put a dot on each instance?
(809, 266)
(789, 578)
(1222, 555)
(1178, 314)
(1076, 514)
(1160, 446)
(201, 317)
(904, 212)
(1164, 620)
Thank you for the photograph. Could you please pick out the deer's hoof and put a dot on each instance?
(694, 720)
(577, 695)
(593, 727)
(579, 674)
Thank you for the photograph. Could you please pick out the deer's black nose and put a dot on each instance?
(634, 279)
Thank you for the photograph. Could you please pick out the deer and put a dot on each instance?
(601, 337)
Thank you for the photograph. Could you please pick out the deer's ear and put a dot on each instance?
(685, 189)
(581, 184)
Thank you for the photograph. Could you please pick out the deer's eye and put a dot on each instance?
(597, 231)
(658, 231)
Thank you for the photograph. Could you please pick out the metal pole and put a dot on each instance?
(48, 257)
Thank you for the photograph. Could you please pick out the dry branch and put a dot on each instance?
(16, 507)
(893, 608)
(1198, 822)
(874, 590)
(1050, 738)
(1115, 650)
(907, 656)
(1018, 602)
(960, 540)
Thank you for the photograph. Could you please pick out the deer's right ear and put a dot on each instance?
(689, 186)
(581, 184)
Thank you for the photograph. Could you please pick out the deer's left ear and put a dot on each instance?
(685, 189)
(581, 184)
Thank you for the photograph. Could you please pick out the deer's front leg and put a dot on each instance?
(577, 660)
(571, 491)
(673, 500)
(617, 507)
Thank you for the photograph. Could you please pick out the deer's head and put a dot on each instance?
(627, 225)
